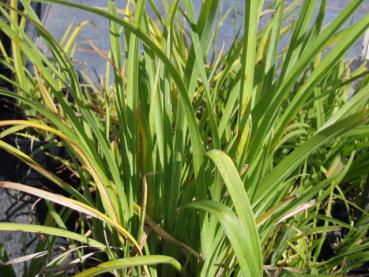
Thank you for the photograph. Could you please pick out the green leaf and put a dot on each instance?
(5, 269)
(129, 262)
(248, 261)
(271, 185)
(240, 201)
(31, 228)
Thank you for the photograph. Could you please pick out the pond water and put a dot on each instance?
(58, 17)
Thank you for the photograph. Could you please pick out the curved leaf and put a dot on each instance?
(240, 200)
(39, 229)
(130, 262)
(274, 180)
(248, 261)
(72, 204)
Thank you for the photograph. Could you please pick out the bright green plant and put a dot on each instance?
(217, 164)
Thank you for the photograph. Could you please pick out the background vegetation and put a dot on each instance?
(194, 160)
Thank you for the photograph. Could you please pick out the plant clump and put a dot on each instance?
(189, 159)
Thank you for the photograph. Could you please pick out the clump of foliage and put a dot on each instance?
(228, 163)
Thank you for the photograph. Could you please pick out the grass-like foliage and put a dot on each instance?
(194, 160)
